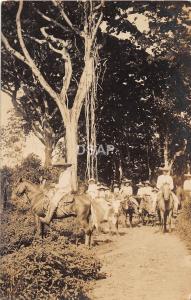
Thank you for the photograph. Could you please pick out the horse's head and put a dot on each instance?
(21, 188)
(166, 192)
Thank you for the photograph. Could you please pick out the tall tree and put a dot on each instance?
(78, 20)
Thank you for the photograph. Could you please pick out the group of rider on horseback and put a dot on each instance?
(125, 191)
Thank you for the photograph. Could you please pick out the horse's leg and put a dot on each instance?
(162, 220)
(87, 239)
(117, 225)
(130, 219)
(42, 230)
(165, 221)
(125, 214)
(39, 228)
(159, 216)
(170, 221)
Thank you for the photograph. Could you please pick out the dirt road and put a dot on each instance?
(144, 264)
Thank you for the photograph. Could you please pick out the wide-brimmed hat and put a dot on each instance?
(102, 187)
(126, 180)
(147, 182)
(139, 184)
(62, 164)
(187, 175)
(116, 185)
(91, 180)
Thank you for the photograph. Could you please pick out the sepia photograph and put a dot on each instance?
(95, 150)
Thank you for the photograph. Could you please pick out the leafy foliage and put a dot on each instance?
(184, 223)
(48, 271)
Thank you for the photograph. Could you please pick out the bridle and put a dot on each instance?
(24, 192)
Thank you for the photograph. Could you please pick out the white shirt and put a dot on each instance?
(140, 191)
(147, 190)
(162, 179)
(64, 181)
(187, 185)
(126, 191)
(92, 190)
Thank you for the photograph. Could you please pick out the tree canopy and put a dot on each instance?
(143, 95)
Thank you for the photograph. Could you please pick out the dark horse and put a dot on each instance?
(165, 207)
(78, 206)
(146, 210)
(130, 206)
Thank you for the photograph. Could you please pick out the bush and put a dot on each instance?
(17, 230)
(184, 223)
(48, 271)
(29, 169)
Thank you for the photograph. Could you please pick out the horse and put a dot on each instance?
(181, 195)
(105, 211)
(165, 207)
(78, 206)
(147, 211)
(130, 206)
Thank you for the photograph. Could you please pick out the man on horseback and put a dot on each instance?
(165, 178)
(61, 189)
(126, 192)
(187, 186)
(126, 188)
(92, 188)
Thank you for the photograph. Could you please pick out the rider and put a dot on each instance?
(165, 178)
(92, 188)
(116, 189)
(61, 189)
(187, 185)
(126, 191)
(126, 188)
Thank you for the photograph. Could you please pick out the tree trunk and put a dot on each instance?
(48, 155)
(166, 154)
(71, 151)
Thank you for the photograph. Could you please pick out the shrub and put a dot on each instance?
(17, 230)
(48, 271)
(184, 223)
(29, 169)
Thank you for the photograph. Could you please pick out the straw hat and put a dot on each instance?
(62, 164)
(91, 180)
(102, 187)
(165, 168)
(147, 182)
(187, 175)
(116, 185)
(125, 180)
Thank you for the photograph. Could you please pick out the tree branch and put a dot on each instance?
(31, 63)
(66, 57)
(13, 51)
(37, 133)
(66, 18)
(35, 69)
(51, 20)
(97, 26)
